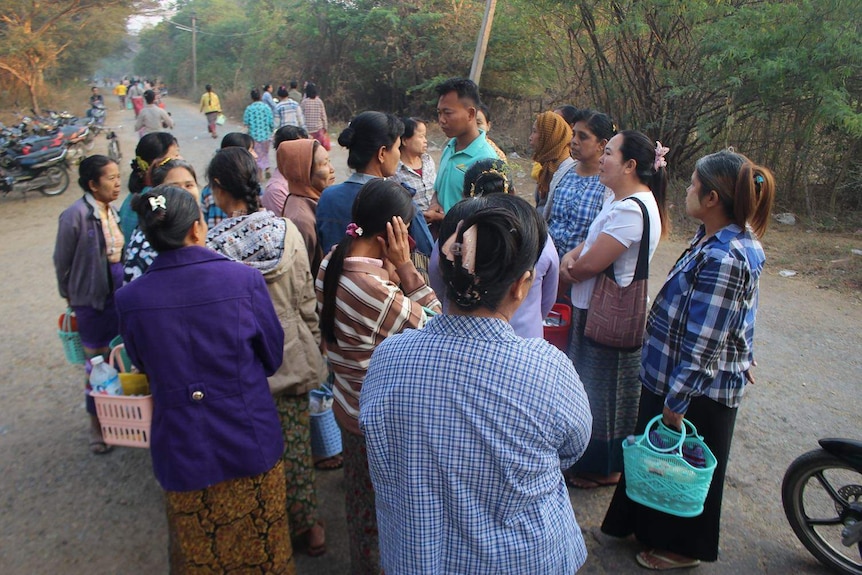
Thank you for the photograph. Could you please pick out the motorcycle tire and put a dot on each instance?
(90, 142)
(58, 175)
(114, 151)
(816, 487)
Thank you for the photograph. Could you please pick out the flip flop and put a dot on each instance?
(99, 447)
(330, 463)
(657, 561)
(581, 482)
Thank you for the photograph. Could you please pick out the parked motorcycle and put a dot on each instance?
(44, 171)
(98, 112)
(76, 137)
(822, 497)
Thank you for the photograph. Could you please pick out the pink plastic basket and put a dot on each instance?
(125, 419)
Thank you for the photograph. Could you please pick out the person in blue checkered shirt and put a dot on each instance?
(698, 353)
(468, 425)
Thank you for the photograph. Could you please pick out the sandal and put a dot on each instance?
(303, 540)
(99, 447)
(330, 463)
(659, 561)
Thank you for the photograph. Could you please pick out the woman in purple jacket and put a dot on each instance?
(204, 330)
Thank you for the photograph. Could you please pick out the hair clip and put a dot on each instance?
(353, 230)
(141, 163)
(465, 249)
(158, 202)
(660, 152)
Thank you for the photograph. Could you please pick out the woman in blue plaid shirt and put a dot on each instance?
(467, 424)
(698, 352)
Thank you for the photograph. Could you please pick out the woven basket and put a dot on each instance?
(325, 434)
(659, 478)
(71, 340)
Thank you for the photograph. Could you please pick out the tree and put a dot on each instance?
(35, 34)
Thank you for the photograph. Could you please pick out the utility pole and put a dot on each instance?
(482, 41)
(194, 55)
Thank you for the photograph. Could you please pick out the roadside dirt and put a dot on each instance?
(65, 511)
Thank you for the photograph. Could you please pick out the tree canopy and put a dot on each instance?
(60, 37)
(781, 80)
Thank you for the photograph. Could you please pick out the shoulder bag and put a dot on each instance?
(617, 315)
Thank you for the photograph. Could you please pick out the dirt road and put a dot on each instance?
(64, 511)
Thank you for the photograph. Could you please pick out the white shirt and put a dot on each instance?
(623, 221)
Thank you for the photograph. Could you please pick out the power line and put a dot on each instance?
(199, 31)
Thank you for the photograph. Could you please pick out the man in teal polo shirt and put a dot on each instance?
(456, 112)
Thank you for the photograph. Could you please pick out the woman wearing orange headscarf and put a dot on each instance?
(550, 140)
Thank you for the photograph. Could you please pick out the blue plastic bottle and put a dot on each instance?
(104, 378)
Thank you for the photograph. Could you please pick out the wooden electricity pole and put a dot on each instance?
(194, 55)
(482, 41)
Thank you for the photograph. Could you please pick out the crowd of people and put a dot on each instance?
(421, 292)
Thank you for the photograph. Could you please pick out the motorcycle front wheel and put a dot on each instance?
(817, 492)
(58, 181)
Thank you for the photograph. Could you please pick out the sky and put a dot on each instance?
(137, 23)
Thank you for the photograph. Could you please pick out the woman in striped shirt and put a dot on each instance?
(361, 304)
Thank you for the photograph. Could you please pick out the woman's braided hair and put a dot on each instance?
(234, 171)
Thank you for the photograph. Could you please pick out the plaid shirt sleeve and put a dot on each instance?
(716, 309)
(577, 202)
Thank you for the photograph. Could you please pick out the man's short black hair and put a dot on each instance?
(465, 88)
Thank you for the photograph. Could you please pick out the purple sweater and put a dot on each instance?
(204, 330)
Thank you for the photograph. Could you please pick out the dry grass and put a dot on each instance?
(826, 258)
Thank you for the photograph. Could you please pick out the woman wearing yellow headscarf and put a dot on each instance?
(550, 140)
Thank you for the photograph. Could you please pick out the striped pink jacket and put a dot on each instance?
(369, 308)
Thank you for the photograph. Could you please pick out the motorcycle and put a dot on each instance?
(44, 170)
(98, 112)
(822, 497)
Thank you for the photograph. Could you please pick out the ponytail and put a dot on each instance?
(331, 279)
(377, 202)
(746, 190)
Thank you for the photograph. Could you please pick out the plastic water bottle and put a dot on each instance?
(104, 378)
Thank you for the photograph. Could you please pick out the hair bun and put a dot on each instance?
(345, 138)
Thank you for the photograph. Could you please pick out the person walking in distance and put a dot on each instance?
(211, 108)
(259, 121)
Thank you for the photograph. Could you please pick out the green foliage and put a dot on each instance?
(781, 80)
(38, 39)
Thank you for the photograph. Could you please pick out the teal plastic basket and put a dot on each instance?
(659, 477)
(71, 340)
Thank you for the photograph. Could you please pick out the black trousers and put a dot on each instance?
(695, 537)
